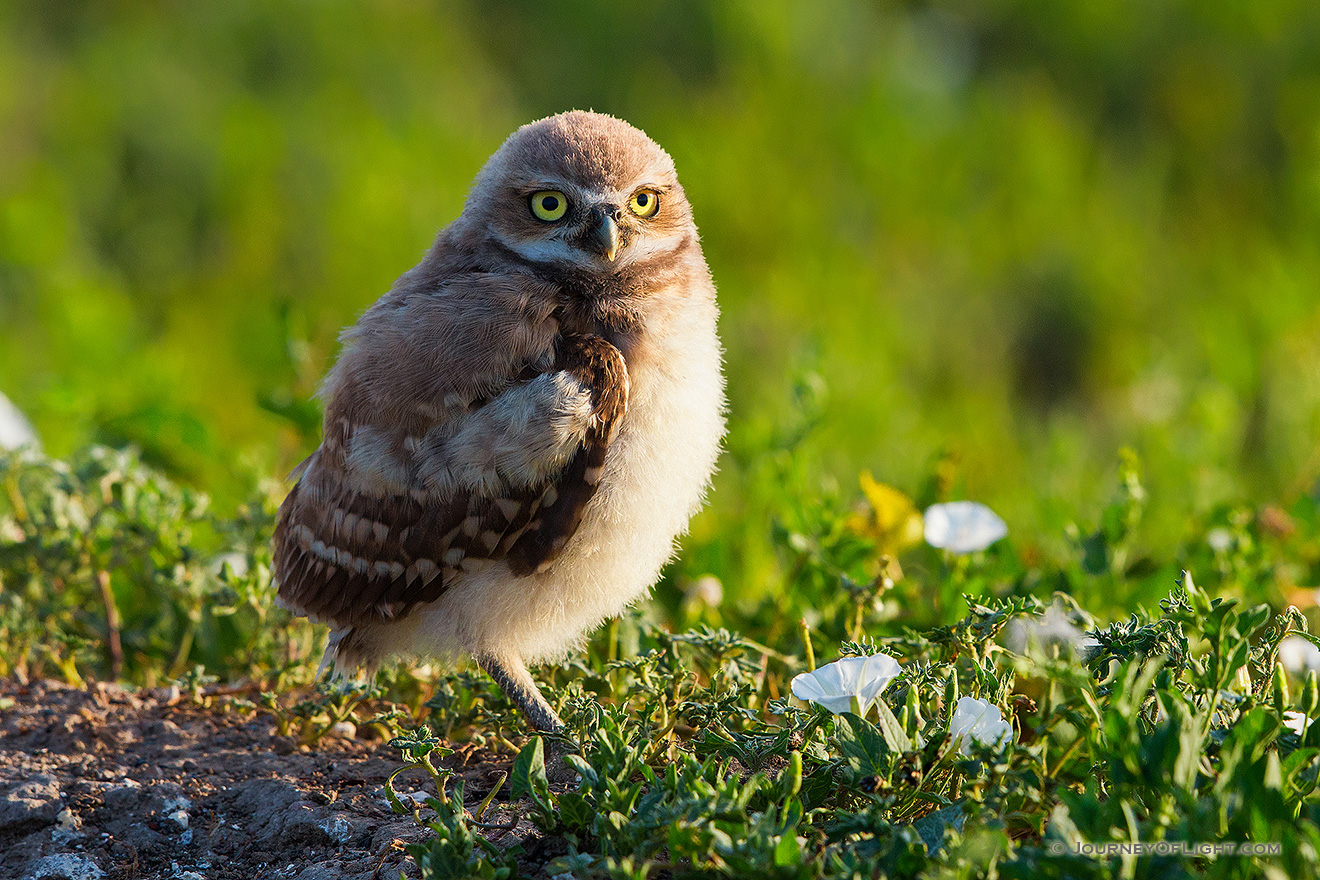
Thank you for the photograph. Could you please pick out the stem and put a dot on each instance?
(185, 648)
(661, 742)
(491, 826)
(438, 777)
(186, 643)
(1063, 759)
(805, 632)
(16, 499)
(481, 810)
(505, 741)
(338, 712)
(768, 651)
(112, 624)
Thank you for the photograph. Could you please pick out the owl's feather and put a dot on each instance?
(381, 521)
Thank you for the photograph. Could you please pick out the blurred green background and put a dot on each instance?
(1002, 239)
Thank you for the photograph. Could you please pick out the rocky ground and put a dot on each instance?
(109, 784)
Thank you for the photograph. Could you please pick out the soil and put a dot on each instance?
(112, 784)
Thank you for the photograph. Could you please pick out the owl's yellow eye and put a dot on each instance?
(549, 205)
(644, 203)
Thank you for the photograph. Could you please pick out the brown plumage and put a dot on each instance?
(517, 431)
(345, 556)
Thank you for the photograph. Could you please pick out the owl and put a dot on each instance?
(516, 434)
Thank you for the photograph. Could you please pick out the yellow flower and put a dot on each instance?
(893, 520)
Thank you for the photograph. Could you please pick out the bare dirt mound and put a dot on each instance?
(109, 784)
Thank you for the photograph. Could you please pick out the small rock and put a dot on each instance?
(284, 745)
(65, 866)
(164, 730)
(346, 830)
(337, 829)
(344, 730)
(125, 797)
(67, 826)
(36, 802)
(176, 810)
(303, 823)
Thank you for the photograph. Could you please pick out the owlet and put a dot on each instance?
(517, 432)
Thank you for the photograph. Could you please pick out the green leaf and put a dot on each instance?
(576, 813)
(934, 826)
(862, 745)
(891, 727)
(1297, 761)
(787, 851)
(527, 777)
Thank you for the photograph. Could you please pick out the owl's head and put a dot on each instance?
(582, 192)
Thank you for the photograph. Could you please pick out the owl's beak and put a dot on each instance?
(604, 236)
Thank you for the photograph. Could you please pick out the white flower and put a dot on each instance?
(851, 684)
(979, 721)
(238, 564)
(15, 429)
(1298, 654)
(963, 526)
(1242, 681)
(1297, 722)
(1053, 628)
(704, 591)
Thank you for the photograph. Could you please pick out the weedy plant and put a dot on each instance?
(111, 570)
(1016, 737)
(1163, 733)
(455, 848)
(1174, 727)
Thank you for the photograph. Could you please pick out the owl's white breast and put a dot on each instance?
(656, 473)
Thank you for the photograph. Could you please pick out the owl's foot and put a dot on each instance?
(512, 676)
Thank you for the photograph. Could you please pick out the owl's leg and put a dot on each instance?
(510, 673)
(512, 676)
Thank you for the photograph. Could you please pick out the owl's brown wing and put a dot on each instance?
(379, 523)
